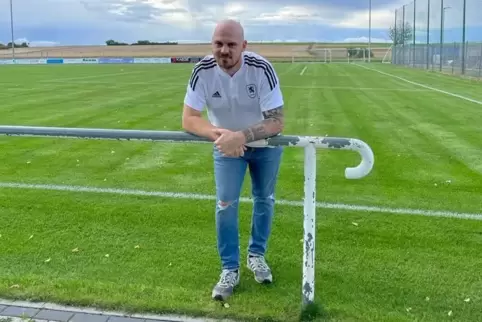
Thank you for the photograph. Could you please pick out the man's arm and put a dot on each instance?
(272, 124)
(194, 102)
(193, 122)
(271, 104)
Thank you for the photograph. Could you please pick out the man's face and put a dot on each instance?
(228, 47)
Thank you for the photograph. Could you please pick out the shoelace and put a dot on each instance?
(259, 264)
(227, 278)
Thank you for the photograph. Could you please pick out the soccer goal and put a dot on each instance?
(332, 55)
(387, 58)
(323, 55)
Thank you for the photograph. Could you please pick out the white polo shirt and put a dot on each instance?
(236, 102)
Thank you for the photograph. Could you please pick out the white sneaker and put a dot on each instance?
(262, 272)
(227, 282)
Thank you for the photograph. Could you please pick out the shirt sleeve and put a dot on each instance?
(270, 91)
(195, 96)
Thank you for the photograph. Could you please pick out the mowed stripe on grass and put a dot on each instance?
(196, 196)
(162, 258)
(365, 272)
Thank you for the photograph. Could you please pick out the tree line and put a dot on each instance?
(112, 42)
(109, 42)
(9, 45)
(401, 35)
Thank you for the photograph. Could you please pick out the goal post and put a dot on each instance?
(387, 58)
(312, 56)
(342, 54)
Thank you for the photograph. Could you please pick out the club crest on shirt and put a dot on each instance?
(251, 89)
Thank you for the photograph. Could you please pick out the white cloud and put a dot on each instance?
(36, 43)
(382, 17)
(52, 12)
(235, 8)
(366, 40)
(180, 13)
(158, 20)
(290, 14)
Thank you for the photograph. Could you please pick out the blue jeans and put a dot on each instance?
(229, 172)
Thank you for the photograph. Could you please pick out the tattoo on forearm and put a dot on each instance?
(271, 125)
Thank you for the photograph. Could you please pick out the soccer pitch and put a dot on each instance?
(130, 225)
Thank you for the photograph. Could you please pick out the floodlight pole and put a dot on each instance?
(369, 30)
(464, 18)
(11, 29)
(442, 28)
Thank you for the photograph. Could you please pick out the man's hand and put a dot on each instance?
(230, 143)
(238, 153)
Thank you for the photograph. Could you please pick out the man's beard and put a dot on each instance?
(225, 62)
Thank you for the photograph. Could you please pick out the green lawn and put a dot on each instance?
(370, 266)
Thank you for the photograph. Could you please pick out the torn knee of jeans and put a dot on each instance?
(224, 204)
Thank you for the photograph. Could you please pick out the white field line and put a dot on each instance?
(161, 77)
(303, 71)
(358, 88)
(424, 86)
(282, 86)
(122, 72)
(194, 196)
(63, 79)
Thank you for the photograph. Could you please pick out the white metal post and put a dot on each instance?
(309, 226)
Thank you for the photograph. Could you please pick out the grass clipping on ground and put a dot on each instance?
(140, 254)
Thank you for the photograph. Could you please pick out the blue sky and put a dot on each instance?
(84, 22)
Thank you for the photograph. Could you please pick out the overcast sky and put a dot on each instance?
(69, 22)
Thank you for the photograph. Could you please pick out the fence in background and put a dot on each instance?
(442, 35)
(100, 60)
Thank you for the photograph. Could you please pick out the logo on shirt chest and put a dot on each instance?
(251, 89)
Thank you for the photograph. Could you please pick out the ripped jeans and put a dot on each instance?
(229, 172)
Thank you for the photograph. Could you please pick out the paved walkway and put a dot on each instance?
(21, 311)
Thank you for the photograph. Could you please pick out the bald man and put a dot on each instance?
(244, 104)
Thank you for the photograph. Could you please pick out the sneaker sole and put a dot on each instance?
(265, 281)
(218, 297)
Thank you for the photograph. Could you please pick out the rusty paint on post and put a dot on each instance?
(336, 143)
(356, 145)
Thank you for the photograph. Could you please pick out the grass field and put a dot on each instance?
(371, 265)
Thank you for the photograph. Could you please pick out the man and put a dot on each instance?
(244, 104)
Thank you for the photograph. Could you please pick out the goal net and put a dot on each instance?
(322, 55)
(387, 58)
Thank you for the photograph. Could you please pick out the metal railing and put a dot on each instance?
(310, 144)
